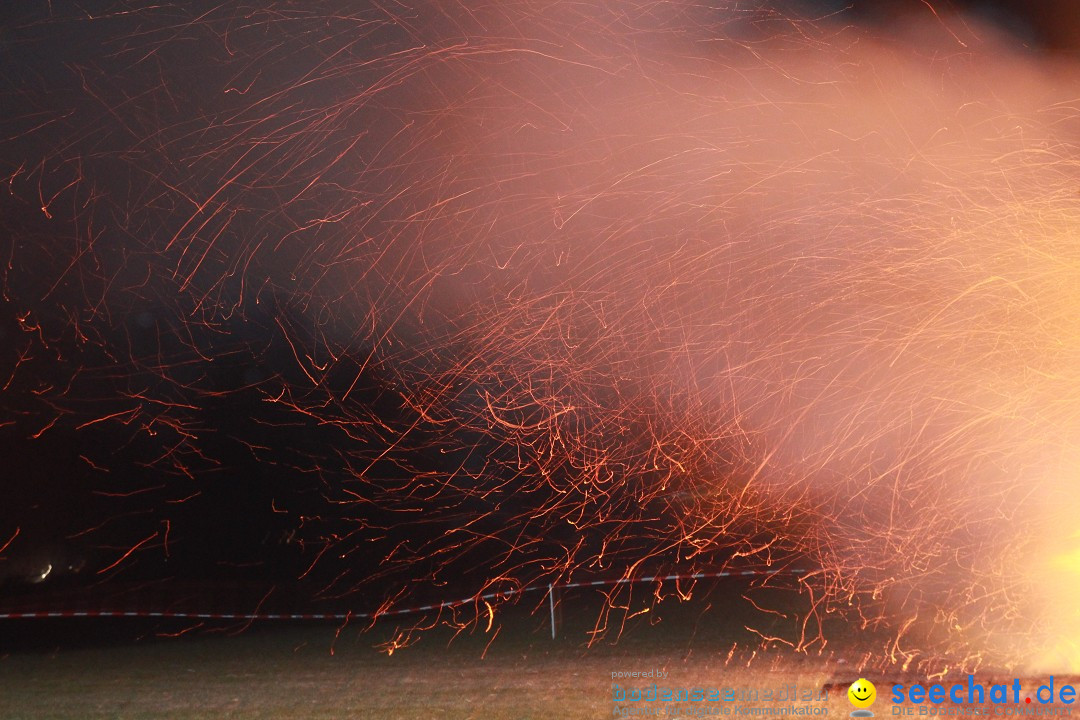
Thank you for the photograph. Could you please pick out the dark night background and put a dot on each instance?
(137, 410)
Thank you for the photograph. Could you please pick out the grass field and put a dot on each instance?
(290, 674)
(289, 671)
(85, 670)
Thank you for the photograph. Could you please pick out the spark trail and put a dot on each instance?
(536, 292)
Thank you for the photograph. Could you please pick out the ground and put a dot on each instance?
(304, 671)
(90, 669)
(291, 674)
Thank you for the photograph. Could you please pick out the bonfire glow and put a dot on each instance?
(542, 292)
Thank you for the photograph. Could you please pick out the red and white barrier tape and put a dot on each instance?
(188, 615)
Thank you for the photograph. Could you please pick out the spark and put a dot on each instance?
(495, 296)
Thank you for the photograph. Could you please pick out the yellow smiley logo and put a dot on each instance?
(862, 693)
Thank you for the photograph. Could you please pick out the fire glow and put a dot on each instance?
(647, 285)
